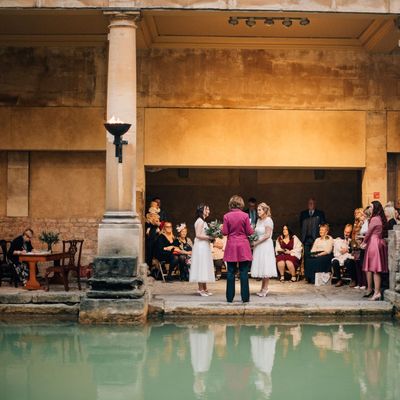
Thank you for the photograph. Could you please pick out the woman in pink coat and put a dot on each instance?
(376, 254)
(237, 250)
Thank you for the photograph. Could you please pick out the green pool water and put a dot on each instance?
(192, 361)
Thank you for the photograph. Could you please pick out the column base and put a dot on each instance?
(120, 234)
(115, 311)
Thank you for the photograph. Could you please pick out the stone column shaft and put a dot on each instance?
(120, 234)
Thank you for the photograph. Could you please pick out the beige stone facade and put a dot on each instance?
(209, 95)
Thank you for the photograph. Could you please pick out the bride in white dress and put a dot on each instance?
(202, 266)
(264, 262)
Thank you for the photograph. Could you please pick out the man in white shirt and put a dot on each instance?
(343, 258)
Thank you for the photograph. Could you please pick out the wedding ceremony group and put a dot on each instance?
(244, 245)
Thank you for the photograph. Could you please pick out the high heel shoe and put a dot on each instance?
(376, 297)
(369, 294)
(262, 293)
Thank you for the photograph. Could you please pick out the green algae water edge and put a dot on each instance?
(194, 361)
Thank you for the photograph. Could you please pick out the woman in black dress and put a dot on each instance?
(165, 248)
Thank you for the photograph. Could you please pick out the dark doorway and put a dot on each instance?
(338, 192)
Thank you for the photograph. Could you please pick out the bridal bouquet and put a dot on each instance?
(214, 230)
(253, 238)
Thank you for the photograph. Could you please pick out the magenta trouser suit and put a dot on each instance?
(237, 250)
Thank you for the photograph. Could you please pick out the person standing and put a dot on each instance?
(264, 262)
(310, 221)
(202, 266)
(237, 228)
(376, 252)
(252, 210)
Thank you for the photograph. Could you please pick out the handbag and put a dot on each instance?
(323, 278)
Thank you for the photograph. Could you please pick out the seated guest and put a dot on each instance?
(288, 250)
(218, 248)
(356, 251)
(390, 214)
(21, 245)
(185, 251)
(161, 211)
(152, 228)
(343, 258)
(165, 247)
(319, 259)
(397, 214)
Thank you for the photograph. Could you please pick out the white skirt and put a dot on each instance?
(264, 261)
(202, 266)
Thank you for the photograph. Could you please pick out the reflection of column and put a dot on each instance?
(120, 232)
(117, 357)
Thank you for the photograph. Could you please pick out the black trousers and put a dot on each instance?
(244, 267)
(350, 266)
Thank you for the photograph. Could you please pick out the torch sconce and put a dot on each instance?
(118, 129)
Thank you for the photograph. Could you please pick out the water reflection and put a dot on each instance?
(263, 355)
(215, 361)
(201, 352)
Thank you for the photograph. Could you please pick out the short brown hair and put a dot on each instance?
(236, 202)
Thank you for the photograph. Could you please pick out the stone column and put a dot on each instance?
(375, 174)
(120, 232)
(118, 283)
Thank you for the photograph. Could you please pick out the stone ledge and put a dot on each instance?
(177, 309)
(394, 298)
(39, 309)
(39, 297)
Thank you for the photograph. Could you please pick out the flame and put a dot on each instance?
(114, 120)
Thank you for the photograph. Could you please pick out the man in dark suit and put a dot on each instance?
(252, 210)
(310, 220)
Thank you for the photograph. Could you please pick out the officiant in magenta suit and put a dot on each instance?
(237, 228)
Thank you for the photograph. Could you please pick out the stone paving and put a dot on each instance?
(284, 299)
(180, 299)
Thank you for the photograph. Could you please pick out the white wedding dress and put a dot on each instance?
(264, 262)
(202, 266)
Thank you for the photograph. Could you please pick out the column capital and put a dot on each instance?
(123, 18)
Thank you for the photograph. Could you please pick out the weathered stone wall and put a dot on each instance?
(306, 79)
(52, 98)
(69, 228)
(66, 194)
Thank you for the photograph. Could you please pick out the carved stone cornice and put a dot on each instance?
(123, 18)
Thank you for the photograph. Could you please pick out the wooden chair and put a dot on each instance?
(7, 270)
(71, 262)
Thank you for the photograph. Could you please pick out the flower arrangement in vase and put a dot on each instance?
(49, 238)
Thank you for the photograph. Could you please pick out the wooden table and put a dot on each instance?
(32, 259)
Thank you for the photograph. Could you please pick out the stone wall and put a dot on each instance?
(69, 228)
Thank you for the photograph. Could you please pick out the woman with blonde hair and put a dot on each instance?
(264, 262)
